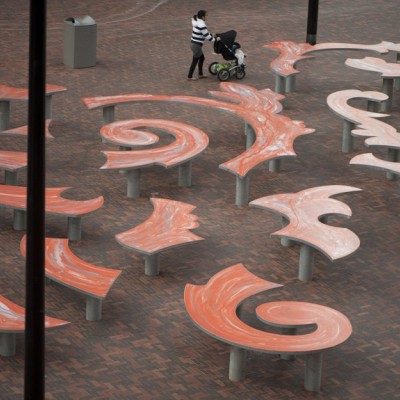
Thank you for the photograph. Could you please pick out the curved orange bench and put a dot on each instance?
(169, 226)
(15, 197)
(22, 131)
(12, 318)
(216, 309)
(11, 162)
(11, 93)
(64, 267)
(305, 211)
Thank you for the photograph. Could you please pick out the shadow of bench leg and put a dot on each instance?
(11, 177)
(108, 114)
(280, 84)
(74, 228)
(237, 364)
(19, 223)
(242, 190)
(347, 140)
(133, 186)
(387, 88)
(306, 262)
(285, 241)
(8, 344)
(393, 155)
(4, 115)
(312, 379)
(94, 308)
(152, 264)
(274, 165)
(185, 174)
(250, 135)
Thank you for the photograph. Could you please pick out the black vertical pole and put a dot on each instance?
(312, 21)
(34, 326)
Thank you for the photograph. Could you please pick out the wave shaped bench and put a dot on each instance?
(189, 143)
(169, 226)
(291, 52)
(307, 212)
(13, 321)
(65, 268)
(215, 308)
(11, 93)
(16, 197)
(269, 137)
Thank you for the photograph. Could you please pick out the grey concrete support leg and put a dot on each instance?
(108, 114)
(372, 106)
(347, 141)
(397, 81)
(250, 135)
(242, 190)
(387, 88)
(133, 187)
(4, 115)
(280, 84)
(274, 165)
(393, 155)
(306, 262)
(152, 264)
(288, 331)
(285, 241)
(49, 106)
(8, 344)
(290, 84)
(94, 308)
(11, 177)
(19, 223)
(313, 373)
(74, 228)
(185, 174)
(237, 364)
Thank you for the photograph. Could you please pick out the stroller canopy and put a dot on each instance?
(224, 45)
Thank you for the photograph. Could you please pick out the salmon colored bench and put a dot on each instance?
(189, 143)
(216, 308)
(16, 197)
(291, 52)
(65, 268)
(11, 162)
(12, 318)
(10, 93)
(269, 137)
(304, 221)
(169, 226)
(22, 131)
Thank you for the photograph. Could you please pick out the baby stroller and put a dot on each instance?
(230, 51)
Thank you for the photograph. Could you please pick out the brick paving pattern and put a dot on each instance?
(145, 347)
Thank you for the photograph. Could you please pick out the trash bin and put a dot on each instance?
(80, 36)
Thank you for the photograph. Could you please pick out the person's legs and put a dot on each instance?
(195, 60)
(201, 62)
(197, 55)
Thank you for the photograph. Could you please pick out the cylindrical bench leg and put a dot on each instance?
(250, 135)
(290, 83)
(242, 190)
(285, 241)
(185, 174)
(237, 364)
(280, 84)
(74, 228)
(11, 177)
(372, 106)
(306, 262)
(108, 114)
(292, 332)
(8, 344)
(397, 80)
(274, 165)
(133, 186)
(4, 115)
(393, 156)
(347, 141)
(313, 372)
(94, 308)
(387, 88)
(152, 264)
(19, 223)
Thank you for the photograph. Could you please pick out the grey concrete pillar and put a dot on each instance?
(397, 80)
(108, 114)
(290, 84)
(280, 84)
(4, 115)
(11, 177)
(306, 262)
(152, 264)
(242, 190)
(8, 344)
(19, 223)
(185, 174)
(237, 364)
(288, 331)
(313, 372)
(393, 156)
(372, 106)
(133, 186)
(387, 88)
(74, 228)
(274, 165)
(347, 141)
(94, 308)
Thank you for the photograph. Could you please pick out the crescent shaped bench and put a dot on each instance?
(11, 162)
(65, 268)
(305, 216)
(216, 308)
(13, 321)
(169, 226)
(16, 198)
(22, 131)
(10, 93)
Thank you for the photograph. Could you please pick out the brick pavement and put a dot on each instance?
(145, 347)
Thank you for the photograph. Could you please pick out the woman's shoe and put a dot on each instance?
(203, 76)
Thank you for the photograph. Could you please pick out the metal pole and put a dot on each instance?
(34, 325)
(312, 21)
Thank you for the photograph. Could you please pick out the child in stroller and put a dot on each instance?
(230, 50)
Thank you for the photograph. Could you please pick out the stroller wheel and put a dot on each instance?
(212, 68)
(240, 73)
(223, 75)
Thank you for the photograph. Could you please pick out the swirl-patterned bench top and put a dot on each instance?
(13, 321)
(22, 131)
(168, 226)
(215, 309)
(14, 93)
(388, 70)
(11, 162)
(64, 267)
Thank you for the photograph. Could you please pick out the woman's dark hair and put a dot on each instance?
(200, 14)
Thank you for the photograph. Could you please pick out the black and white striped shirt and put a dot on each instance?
(200, 31)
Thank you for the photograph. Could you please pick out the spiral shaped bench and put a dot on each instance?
(16, 198)
(13, 321)
(65, 268)
(304, 218)
(169, 226)
(215, 308)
